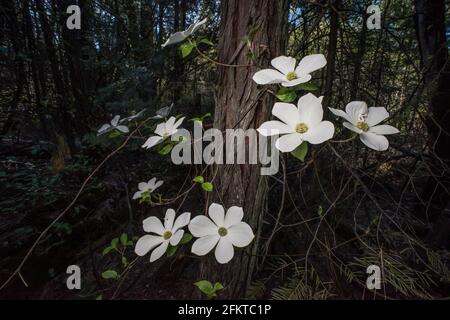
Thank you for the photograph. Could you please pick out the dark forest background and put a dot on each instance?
(320, 222)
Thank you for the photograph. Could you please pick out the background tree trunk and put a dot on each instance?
(241, 104)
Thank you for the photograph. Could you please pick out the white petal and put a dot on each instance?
(383, 129)
(137, 195)
(153, 225)
(376, 115)
(196, 26)
(224, 250)
(217, 213)
(169, 218)
(143, 186)
(151, 183)
(299, 80)
(104, 128)
(349, 126)
(284, 64)
(147, 243)
(286, 112)
(161, 129)
(240, 234)
(289, 142)
(181, 221)
(115, 120)
(234, 215)
(202, 226)
(174, 38)
(158, 184)
(311, 63)
(310, 110)
(340, 113)
(205, 244)
(374, 141)
(271, 128)
(170, 124)
(178, 123)
(320, 133)
(176, 237)
(152, 141)
(355, 110)
(123, 129)
(159, 251)
(268, 76)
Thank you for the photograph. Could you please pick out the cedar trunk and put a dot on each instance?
(242, 104)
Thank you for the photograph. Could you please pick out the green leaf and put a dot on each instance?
(114, 242)
(205, 286)
(207, 186)
(125, 261)
(110, 274)
(186, 49)
(124, 239)
(218, 286)
(286, 95)
(309, 86)
(199, 179)
(206, 41)
(301, 151)
(107, 250)
(166, 149)
(171, 250)
(186, 238)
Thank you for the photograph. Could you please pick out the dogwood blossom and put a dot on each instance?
(163, 235)
(149, 186)
(163, 131)
(365, 121)
(114, 124)
(133, 117)
(298, 124)
(222, 232)
(182, 35)
(287, 73)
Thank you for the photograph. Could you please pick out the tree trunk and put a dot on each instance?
(241, 104)
(332, 48)
(430, 27)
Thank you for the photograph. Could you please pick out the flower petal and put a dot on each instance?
(137, 195)
(204, 244)
(103, 128)
(143, 186)
(299, 80)
(286, 112)
(153, 225)
(289, 142)
(161, 129)
(376, 115)
(310, 110)
(349, 126)
(240, 234)
(355, 110)
(340, 113)
(268, 76)
(169, 218)
(152, 141)
(159, 251)
(271, 128)
(170, 124)
(151, 183)
(158, 184)
(177, 123)
(176, 237)
(115, 120)
(374, 141)
(181, 221)
(123, 129)
(202, 226)
(217, 213)
(224, 250)
(234, 215)
(311, 63)
(174, 38)
(147, 243)
(284, 64)
(193, 28)
(320, 133)
(383, 129)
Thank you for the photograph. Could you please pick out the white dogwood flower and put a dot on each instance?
(225, 231)
(114, 124)
(133, 117)
(182, 35)
(298, 124)
(163, 131)
(170, 232)
(149, 186)
(365, 121)
(287, 73)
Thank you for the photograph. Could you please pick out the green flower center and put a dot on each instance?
(167, 235)
(363, 126)
(291, 76)
(301, 127)
(222, 232)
